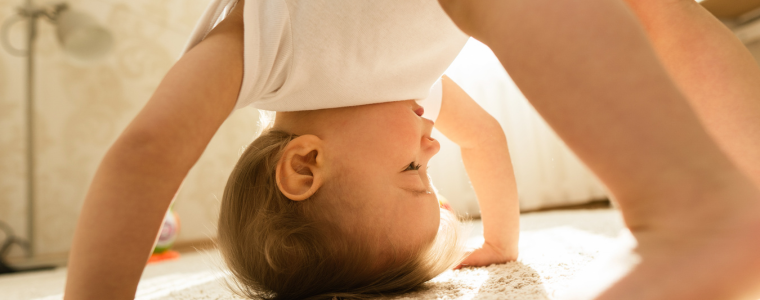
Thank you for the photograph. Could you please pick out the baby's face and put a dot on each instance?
(382, 153)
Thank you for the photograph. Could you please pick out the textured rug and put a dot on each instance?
(554, 248)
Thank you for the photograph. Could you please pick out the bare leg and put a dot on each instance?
(588, 68)
(714, 70)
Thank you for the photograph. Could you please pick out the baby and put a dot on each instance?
(334, 198)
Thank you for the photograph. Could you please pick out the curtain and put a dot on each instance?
(548, 174)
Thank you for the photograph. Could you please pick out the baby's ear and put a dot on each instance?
(300, 171)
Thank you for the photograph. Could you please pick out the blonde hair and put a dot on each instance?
(276, 248)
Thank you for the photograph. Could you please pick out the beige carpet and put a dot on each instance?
(554, 247)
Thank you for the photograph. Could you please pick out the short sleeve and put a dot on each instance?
(432, 103)
(267, 48)
(214, 13)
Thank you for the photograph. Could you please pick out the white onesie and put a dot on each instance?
(315, 54)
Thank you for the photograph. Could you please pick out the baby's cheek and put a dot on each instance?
(423, 223)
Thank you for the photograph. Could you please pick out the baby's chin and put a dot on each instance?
(405, 241)
(438, 247)
(393, 254)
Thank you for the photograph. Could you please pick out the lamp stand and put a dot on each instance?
(30, 166)
(31, 13)
(72, 28)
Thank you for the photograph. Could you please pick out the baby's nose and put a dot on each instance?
(430, 145)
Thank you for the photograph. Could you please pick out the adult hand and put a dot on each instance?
(487, 255)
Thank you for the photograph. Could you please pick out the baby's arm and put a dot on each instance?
(142, 171)
(486, 159)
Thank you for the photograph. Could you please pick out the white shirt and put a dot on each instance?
(316, 54)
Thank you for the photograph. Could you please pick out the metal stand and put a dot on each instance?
(5, 247)
(31, 13)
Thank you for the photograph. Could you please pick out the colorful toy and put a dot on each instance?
(169, 232)
(443, 203)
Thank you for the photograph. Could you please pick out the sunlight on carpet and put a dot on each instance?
(554, 248)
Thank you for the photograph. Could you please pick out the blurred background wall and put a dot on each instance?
(80, 111)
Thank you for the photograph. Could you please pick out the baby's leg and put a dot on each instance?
(714, 70)
(587, 67)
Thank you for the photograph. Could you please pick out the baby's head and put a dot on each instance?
(337, 202)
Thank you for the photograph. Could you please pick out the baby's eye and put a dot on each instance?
(412, 167)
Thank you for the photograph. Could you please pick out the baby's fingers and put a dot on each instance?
(477, 258)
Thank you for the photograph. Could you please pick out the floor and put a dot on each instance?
(555, 245)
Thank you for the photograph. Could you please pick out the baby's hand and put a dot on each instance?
(487, 255)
